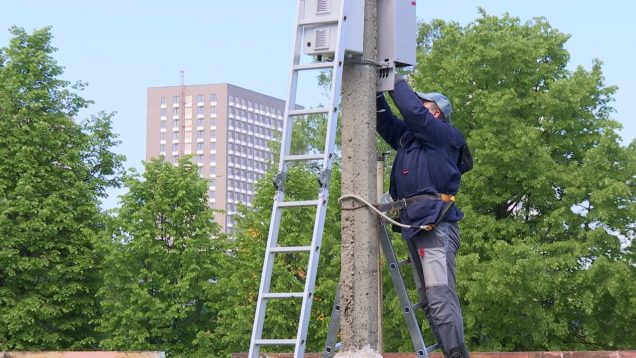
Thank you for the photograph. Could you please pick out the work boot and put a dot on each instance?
(458, 352)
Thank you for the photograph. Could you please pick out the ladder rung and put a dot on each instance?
(274, 342)
(404, 262)
(314, 66)
(284, 295)
(302, 112)
(308, 22)
(291, 158)
(432, 348)
(291, 249)
(288, 204)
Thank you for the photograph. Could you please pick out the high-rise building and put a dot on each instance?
(225, 128)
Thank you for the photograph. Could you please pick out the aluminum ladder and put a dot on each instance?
(331, 110)
(408, 308)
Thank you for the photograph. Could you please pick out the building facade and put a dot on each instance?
(226, 130)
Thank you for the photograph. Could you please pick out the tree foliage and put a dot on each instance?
(241, 285)
(547, 259)
(53, 172)
(160, 287)
(550, 206)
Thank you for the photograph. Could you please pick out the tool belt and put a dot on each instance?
(405, 202)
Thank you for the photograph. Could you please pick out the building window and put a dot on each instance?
(175, 111)
(199, 146)
(162, 148)
(213, 109)
(163, 100)
(175, 135)
(175, 123)
(200, 98)
(212, 170)
(199, 134)
(175, 147)
(199, 158)
(212, 145)
(213, 97)
(162, 124)
(175, 99)
(212, 157)
(164, 112)
(230, 98)
(162, 135)
(212, 121)
(212, 134)
(200, 110)
(200, 122)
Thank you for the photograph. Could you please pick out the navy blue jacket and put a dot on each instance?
(428, 151)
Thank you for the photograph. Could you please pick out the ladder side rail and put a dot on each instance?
(272, 240)
(292, 88)
(314, 256)
(334, 326)
(400, 288)
(327, 163)
(266, 277)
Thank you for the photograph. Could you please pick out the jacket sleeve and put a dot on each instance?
(418, 119)
(388, 126)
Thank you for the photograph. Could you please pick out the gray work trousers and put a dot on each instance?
(436, 250)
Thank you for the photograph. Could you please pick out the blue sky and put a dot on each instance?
(122, 47)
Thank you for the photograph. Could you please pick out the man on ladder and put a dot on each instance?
(426, 175)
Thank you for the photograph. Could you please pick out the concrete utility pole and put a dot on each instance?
(359, 268)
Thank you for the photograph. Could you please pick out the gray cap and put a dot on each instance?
(440, 100)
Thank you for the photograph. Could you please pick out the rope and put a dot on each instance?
(381, 214)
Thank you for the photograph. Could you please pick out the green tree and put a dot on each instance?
(241, 284)
(552, 195)
(160, 287)
(53, 173)
(547, 259)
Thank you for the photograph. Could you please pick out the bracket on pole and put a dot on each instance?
(324, 177)
(279, 181)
